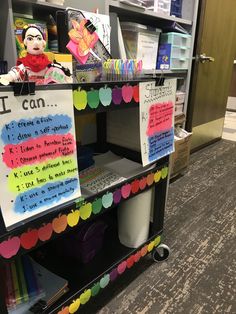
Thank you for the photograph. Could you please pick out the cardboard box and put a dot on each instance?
(179, 160)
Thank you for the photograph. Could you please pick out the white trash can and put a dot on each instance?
(134, 219)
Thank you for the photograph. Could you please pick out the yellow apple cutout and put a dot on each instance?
(157, 176)
(80, 99)
(73, 218)
(73, 308)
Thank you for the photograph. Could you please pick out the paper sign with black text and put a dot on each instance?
(38, 166)
(156, 117)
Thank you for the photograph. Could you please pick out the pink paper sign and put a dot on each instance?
(160, 118)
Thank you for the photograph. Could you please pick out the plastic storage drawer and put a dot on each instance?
(180, 52)
(179, 64)
(176, 39)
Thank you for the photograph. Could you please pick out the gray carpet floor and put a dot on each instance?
(200, 274)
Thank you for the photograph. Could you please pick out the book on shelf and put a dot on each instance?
(31, 287)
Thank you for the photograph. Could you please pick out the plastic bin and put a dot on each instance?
(176, 39)
(141, 42)
(176, 8)
(180, 52)
(179, 64)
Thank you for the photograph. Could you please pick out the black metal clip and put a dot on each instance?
(23, 88)
(160, 81)
(90, 27)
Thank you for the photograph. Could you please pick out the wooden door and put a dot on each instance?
(216, 38)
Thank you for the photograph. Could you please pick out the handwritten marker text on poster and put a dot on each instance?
(29, 177)
(46, 195)
(16, 132)
(38, 150)
(161, 144)
(160, 118)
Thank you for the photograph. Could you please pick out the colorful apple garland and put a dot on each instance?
(28, 239)
(112, 276)
(105, 96)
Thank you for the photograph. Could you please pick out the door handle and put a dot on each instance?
(204, 58)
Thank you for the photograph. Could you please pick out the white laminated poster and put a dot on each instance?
(156, 118)
(38, 167)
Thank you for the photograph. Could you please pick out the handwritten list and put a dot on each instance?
(156, 120)
(38, 170)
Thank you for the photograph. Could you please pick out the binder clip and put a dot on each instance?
(23, 88)
(90, 27)
(160, 81)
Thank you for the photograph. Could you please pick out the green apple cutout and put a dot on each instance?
(85, 296)
(105, 95)
(97, 206)
(80, 99)
(104, 281)
(95, 289)
(93, 98)
(157, 241)
(85, 211)
(164, 172)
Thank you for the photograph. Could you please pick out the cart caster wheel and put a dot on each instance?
(161, 253)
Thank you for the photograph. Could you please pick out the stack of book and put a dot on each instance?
(30, 287)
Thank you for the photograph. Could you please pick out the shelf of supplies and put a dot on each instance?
(27, 6)
(87, 280)
(70, 215)
(142, 12)
(154, 72)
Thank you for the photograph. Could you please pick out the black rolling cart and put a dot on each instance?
(85, 282)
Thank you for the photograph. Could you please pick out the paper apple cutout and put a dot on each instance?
(150, 179)
(10, 247)
(80, 99)
(130, 261)
(157, 176)
(157, 241)
(97, 206)
(150, 246)
(105, 95)
(73, 308)
(137, 256)
(93, 98)
(64, 310)
(29, 239)
(95, 289)
(164, 172)
(73, 218)
(117, 95)
(127, 93)
(45, 232)
(135, 186)
(107, 200)
(136, 93)
(113, 274)
(142, 183)
(85, 296)
(144, 250)
(59, 223)
(121, 267)
(104, 281)
(117, 196)
(126, 190)
(85, 211)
